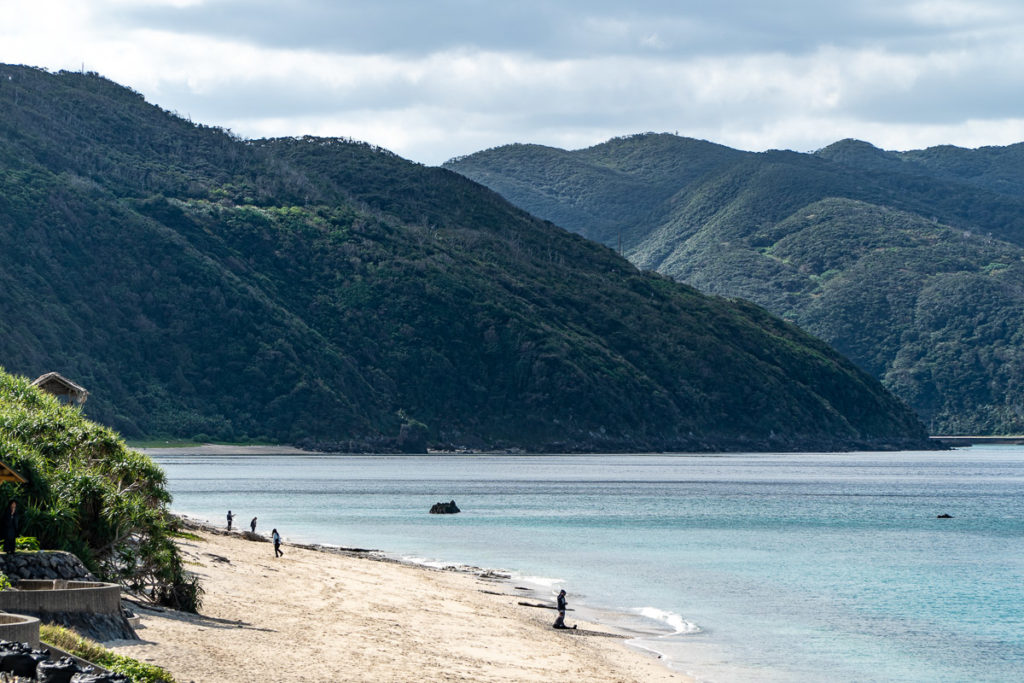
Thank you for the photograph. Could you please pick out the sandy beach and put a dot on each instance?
(320, 616)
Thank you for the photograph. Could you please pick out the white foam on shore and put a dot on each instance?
(433, 564)
(538, 581)
(673, 620)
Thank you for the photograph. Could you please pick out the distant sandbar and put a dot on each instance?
(225, 449)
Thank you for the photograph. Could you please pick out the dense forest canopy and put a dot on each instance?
(910, 263)
(322, 291)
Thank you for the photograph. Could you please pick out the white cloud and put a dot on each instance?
(898, 88)
(959, 13)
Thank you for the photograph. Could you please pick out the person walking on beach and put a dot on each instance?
(10, 525)
(277, 543)
(230, 517)
(252, 525)
(560, 621)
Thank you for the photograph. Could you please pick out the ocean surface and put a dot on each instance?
(738, 567)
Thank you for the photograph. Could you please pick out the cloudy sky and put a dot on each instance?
(431, 79)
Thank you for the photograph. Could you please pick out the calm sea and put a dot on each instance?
(741, 567)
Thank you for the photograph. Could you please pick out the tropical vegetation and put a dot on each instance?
(88, 494)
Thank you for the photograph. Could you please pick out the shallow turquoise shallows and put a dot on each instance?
(765, 567)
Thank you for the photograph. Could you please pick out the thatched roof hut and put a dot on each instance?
(61, 387)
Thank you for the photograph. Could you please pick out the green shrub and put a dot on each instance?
(27, 544)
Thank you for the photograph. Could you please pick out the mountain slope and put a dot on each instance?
(322, 291)
(853, 243)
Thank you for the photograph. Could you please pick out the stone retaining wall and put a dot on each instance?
(45, 564)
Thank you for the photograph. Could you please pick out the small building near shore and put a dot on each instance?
(60, 386)
(7, 474)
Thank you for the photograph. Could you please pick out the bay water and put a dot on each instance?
(733, 567)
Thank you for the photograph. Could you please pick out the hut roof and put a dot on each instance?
(59, 385)
(7, 474)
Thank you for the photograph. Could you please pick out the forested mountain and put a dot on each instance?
(324, 291)
(910, 263)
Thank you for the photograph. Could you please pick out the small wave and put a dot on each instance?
(674, 621)
(455, 566)
(539, 581)
(435, 564)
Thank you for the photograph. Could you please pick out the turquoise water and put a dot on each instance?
(768, 567)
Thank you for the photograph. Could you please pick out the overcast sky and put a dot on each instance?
(431, 79)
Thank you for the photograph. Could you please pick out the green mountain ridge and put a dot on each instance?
(907, 262)
(326, 292)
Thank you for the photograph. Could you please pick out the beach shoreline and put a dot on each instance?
(321, 613)
(223, 449)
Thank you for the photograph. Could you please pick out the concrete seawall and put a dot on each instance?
(62, 596)
(91, 608)
(19, 628)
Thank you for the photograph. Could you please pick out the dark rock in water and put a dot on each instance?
(444, 508)
(944, 516)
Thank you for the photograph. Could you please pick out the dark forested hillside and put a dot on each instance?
(323, 291)
(910, 263)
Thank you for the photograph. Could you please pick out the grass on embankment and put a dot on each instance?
(139, 672)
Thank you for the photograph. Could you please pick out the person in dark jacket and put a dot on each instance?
(10, 525)
(560, 621)
(231, 518)
(252, 525)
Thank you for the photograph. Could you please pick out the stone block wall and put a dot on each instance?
(46, 564)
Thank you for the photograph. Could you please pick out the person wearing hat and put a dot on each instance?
(560, 621)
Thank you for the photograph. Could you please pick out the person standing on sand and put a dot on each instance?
(560, 621)
(230, 517)
(252, 525)
(277, 543)
(10, 525)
